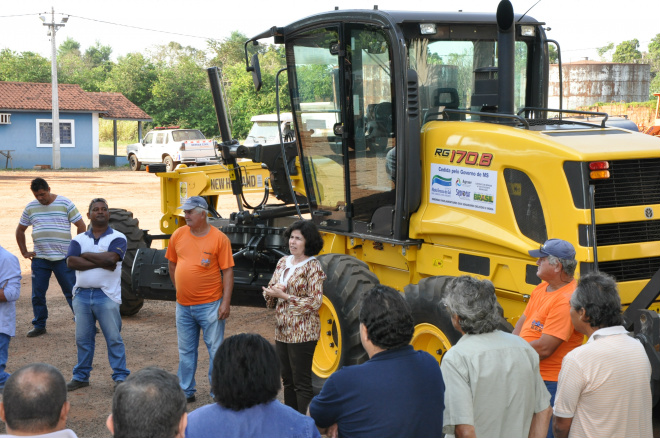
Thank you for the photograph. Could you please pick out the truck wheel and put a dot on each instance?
(339, 344)
(434, 332)
(134, 163)
(124, 222)
(169, 163)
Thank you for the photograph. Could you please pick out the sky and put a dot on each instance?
(580, 26)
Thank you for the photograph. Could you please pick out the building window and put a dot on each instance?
(45, 133)
(5, 119)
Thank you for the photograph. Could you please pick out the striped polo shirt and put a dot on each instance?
(605, 386)
(51, 226)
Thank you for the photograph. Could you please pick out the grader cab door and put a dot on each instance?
(341, 83)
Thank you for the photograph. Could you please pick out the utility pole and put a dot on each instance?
(53, 27)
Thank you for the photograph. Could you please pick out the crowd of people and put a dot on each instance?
(542, 380)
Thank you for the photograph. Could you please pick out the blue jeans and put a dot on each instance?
(552, 389)
(89, 306)
(4, 354)
(41, 270)
(189, 320)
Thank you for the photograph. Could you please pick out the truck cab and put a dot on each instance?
(171, 146)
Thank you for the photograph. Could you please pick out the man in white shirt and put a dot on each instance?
(604, 386)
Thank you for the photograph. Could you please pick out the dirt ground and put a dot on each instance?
(149, 336)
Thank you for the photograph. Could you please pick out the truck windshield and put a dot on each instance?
(263, 132)
(462, 74)
(187, 134)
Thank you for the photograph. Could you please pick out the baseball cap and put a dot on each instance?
(194, 201)
(554, 247)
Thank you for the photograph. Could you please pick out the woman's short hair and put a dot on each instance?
(598, 295)
(475, 304)
(246, 372)
(387, 317)
(313, 239)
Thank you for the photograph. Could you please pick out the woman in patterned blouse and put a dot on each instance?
(296, 292)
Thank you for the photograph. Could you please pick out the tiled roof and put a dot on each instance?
(119, 107)
(29, 96)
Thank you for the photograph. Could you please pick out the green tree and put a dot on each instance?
(627, 52)
(133, 76)
(229, 51)
(244, 102)
(24, 67)
(68, 46)
(97, 55)
(181, 94)
(602, 51)
(653, 58)
(553, 56)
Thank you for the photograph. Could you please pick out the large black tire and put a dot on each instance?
(434, 332)
(339, 344)
(134, 163)
(124, 222)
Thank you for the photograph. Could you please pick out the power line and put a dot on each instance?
(142, 28)
(116, 24)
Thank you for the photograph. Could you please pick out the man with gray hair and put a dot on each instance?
(149, 404)
(492, 379)
(34, 403)
(201, 268)
(604, 385)
(546, 321)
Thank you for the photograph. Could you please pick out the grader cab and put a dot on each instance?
(439, 158)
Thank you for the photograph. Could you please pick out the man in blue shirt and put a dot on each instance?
(10, 289)
(96, 256)
(398, 392)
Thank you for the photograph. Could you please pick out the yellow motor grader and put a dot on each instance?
(424, 150)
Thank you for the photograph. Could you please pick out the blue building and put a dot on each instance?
(26, 123)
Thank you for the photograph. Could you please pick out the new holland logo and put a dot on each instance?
(648, 212)
(437, 179)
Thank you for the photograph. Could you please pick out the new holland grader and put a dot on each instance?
(424, 150)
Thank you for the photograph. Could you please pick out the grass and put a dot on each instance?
(107, 147)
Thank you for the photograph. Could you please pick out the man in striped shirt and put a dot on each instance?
(604, 385)
(50, 216)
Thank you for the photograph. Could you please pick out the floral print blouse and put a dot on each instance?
(298, 319)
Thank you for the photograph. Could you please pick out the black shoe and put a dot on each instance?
(117, 383)
(190, 399)
(36, 332)
(75, 384)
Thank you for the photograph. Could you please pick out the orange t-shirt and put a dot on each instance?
(549, 313)
(199, 261)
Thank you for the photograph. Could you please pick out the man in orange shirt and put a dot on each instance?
(546, 323)
(201, 269)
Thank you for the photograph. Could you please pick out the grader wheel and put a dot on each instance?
(124, 222)
(339, 344)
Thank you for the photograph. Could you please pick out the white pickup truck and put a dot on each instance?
(171, 147)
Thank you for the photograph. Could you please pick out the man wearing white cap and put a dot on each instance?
(201, 269)
(546, 323)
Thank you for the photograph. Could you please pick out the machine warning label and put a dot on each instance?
(463, 187)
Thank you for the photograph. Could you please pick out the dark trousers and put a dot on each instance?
(41, 270)
(552, 389)
(296, 364)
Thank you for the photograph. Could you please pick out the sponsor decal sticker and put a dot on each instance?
(464, 187)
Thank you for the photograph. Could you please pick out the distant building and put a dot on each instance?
(26, 123)
(588, 82)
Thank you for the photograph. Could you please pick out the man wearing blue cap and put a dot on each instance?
(201, 268)
(546, 323)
